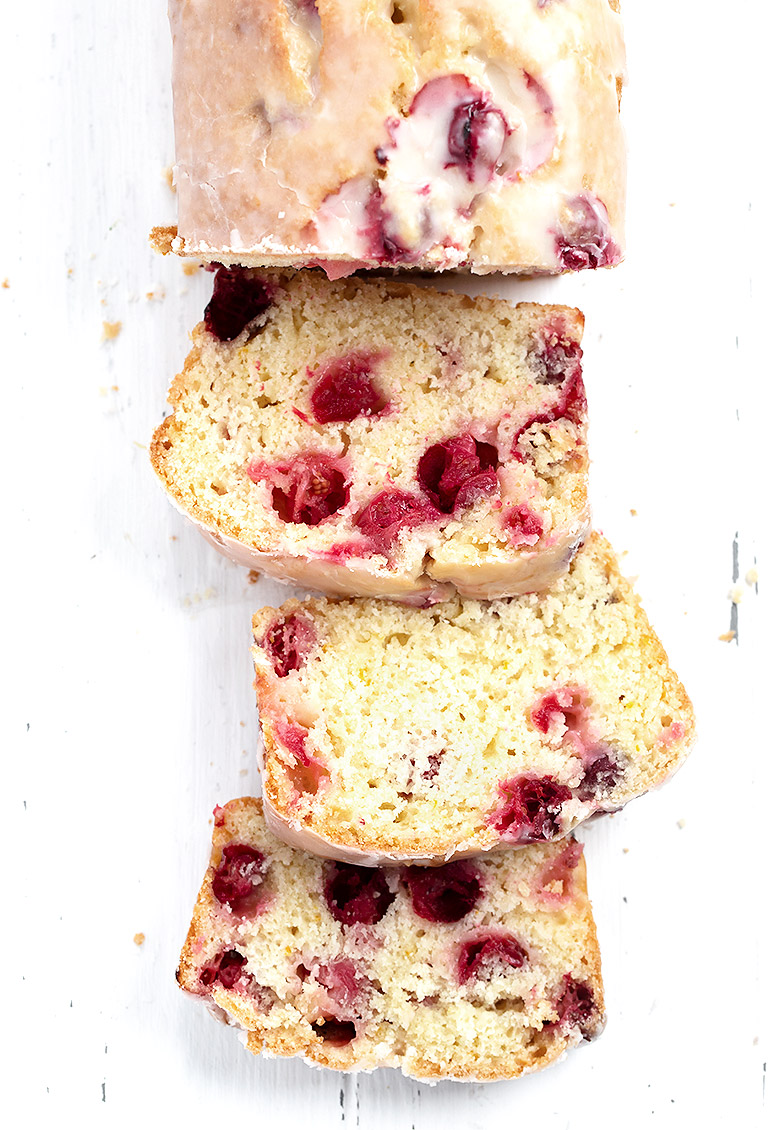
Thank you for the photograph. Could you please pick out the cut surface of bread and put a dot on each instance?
(476, 970)
(365, 437)
(466, 134)
(400, 733)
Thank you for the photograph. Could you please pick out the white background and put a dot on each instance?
(130, 710)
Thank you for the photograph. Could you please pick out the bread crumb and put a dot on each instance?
(111, 330)
(681, 823)
(243, 772)
(252, 577)
(190, 268)
(6, 284)
(736, 592)
(727, 637)
(625, 851)
(751, 577)
(156, 294)
(632, 513)
(168, 177)
(139, 939)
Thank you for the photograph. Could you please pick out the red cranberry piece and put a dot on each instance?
(476, 136)
(531, 809)
(564, 706)
(238, 298)
(356, 894)
(601, 775)
(488, 955)
(237, 879)
(227, 969)
(444, 894)
(390, 512)
(381, 244)
(458, 471)
(523, 526)
(306, 490)
(344, 983)
(575, 1005)
(586, 241)
(555, 357)
(307, 774)
(337, 1033)
(288, 641)
(571, 406)
(345, 390)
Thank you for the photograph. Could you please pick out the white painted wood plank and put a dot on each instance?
(130, 703)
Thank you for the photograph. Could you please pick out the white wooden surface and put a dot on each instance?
(130, 709)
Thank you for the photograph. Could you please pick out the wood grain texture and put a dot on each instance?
(130, 709)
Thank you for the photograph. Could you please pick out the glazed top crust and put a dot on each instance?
(280, 104)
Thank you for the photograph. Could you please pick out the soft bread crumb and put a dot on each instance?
(395, 978)
(111, 330)
(751, 577)
(139, 939)
(727, 637)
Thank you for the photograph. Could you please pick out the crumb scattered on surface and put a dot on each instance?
(252, 577)
(190, 268)
(6, 284)
(751, 577)
(681, 823)
(736, 592)
(199, 597)
(727, 637)
(632, 513)
(111, 330)
(139, 939)
(243, 772)
(168, 177)
(242, 723)
(156, 294)
(625, 851)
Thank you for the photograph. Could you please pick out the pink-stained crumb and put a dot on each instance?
(343, 389)
(338, 269)
(238, 298)
(444, 894)
(356, 895)
(457, 472)
(529, 809)
(489, 953)
(219, 816)
(308, 489)
(554, 881)
(522, 525)
(434, 765)
(391, 511)
(307, 774)
(671, 734)
(571, 405)
(555, 357)
(564, 713)
(289, 641)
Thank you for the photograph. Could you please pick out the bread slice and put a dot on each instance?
(380, 439)
(475, 971)
(396, 733)
(476, 135)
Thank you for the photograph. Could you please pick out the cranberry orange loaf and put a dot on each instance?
(407, 734)
(479, 134)
(469, 971)
(364, 437)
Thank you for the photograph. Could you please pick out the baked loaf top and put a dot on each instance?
(364, 437)
(471, 971)
(397, 733)
(479, 134)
